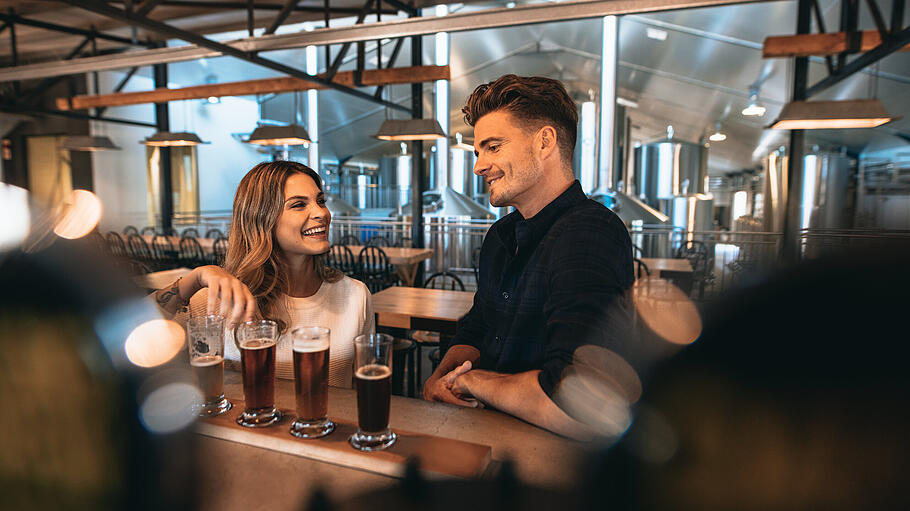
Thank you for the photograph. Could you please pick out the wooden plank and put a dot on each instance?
(442, 457)
(370, 77)
(807, 45)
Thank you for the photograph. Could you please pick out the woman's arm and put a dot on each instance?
(237, 303)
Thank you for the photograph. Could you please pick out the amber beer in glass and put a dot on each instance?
(257, 341)
(311, 382)
(373, 381)
(205, 342)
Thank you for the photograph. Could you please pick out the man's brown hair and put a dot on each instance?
(534, 100)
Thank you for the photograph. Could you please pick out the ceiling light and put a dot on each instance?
(657, 34)
(171, 139)
(292, 134)
(628, 103)
(410, 129)
(717, 136)
(754, 108)
(819, 115)
(89, 143)
(459, 143)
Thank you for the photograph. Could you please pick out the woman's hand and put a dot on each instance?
(237, 303)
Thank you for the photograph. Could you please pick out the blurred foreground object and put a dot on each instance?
(82, 426)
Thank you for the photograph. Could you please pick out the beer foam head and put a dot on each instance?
(208, 360)
(311, 345)
(307, 339)
(374, 372)
(257, 344)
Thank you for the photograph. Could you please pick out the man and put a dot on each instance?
(549, 271)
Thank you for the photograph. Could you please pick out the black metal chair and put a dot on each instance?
(164, 252)
(138, 249)
(404, 242)
(639, 266)
(475, 264)
(148, 230)
(219, 250)
(191, 254)
(115, 245)
(375, 269)
(350, 239)
(379, 241)
(214, 233)
(637, 251)
(427, 338)
(341, 258)
(190, 232)
(129, 229)
(699, 257)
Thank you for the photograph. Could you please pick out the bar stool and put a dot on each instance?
(403, 363)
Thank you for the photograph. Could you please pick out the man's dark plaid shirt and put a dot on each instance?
(545, 286)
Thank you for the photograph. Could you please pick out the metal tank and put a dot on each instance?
(670, 168)
(774, 190)
(826, 192)
(883, 188)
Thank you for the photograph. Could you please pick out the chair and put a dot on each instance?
(403, 365)
(341, 258)
(115, 245)
(475, 264)
(129, 229)
(219, 250)
(190, 232)
(637, 251)
(214, 233)
(350, 239)
(375, 269)
(640, 265)
(427, 338)
(404, 242)
(147, 231)
(379, 241)
(699, 257)
(138, 249)
(190, 254)
(164, 252)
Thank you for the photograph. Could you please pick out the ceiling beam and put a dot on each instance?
(14, 18)
(483, 19)
(807, 45)
(370, 77)
(104, 9)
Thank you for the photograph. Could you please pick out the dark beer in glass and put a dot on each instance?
(311, 382)
(257, 341)
(373, 381)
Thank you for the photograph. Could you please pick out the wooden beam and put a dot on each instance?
(808, 45)
(370, 77)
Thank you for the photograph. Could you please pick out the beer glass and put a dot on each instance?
(373, 380)
(205, 341)
(311, 382)
(256, 341)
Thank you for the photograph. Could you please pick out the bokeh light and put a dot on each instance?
(666, 310)
(154, 342)
(169, 408)
(16, 216)
(81, 216)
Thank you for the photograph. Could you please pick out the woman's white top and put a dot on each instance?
(344, 307)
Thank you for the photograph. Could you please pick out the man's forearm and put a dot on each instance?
(520, 395)
(455, 356)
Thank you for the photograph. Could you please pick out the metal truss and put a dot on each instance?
(893, 38)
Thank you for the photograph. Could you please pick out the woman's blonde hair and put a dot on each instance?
(253, 255)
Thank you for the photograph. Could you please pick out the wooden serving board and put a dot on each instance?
(441, 457)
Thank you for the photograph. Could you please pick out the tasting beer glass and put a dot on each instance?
(257, 342)
(311, 382)
(205, 341)
(373, 380)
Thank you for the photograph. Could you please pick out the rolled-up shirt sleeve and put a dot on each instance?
(590, 270)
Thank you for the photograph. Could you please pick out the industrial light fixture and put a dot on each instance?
(819, 115)
(459, 143)
(89, 143)
(628, 103)
(172, 139)
(717, 136)
(410, 129)
(292, 134)
(754, 108)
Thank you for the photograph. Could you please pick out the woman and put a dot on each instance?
(275, 268)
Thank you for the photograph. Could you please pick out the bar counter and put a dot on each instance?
(238, 475)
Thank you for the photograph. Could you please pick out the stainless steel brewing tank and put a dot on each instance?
(831, 202)
(670, 168)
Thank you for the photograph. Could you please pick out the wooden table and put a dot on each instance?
(404, 259)
(677, 270)
(159, 279)
(239, 474)
(418, 308)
